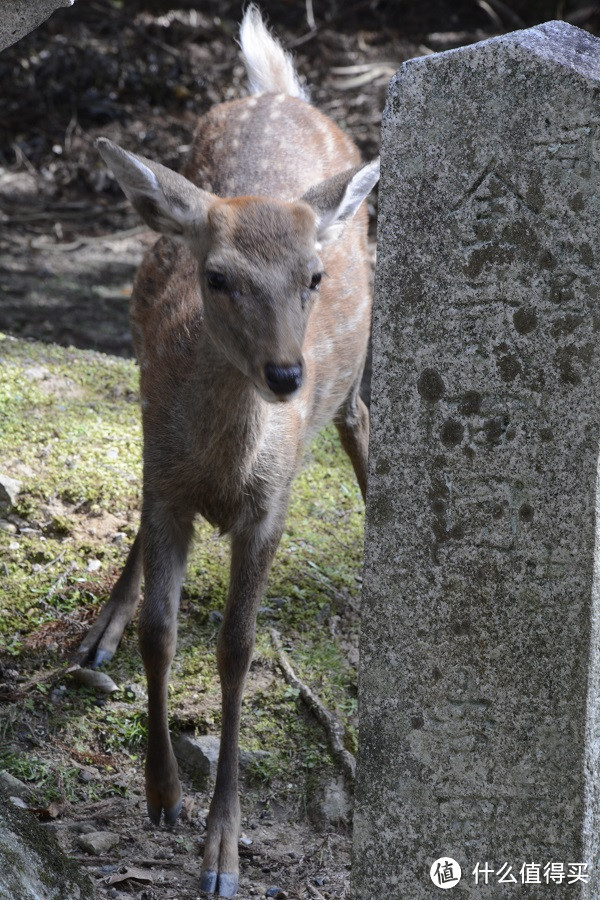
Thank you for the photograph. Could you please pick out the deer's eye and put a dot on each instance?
(315, 281)
(216, 280)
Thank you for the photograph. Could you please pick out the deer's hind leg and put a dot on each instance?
(352, 423)
(101, 641)
(167, 533)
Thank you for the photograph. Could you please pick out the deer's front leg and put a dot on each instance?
(166, 539)
(251, 559)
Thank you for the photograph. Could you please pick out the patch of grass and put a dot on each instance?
(71, 435)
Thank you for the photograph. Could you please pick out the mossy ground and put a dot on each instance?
(70, 433)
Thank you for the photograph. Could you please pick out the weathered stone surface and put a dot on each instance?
(9, 490)
(19, 17)
(331, 804)
(201, 754)
(14, 787)
(98, 842)
(32, 865)
(480, 640)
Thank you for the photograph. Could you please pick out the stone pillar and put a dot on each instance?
(479, 682)
(19, 17)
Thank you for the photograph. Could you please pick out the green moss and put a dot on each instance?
(71, 435)
(35, 859)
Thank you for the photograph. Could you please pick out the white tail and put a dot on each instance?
(270, 69)
(250, 319)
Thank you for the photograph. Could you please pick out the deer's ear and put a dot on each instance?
(336, 200)
(166, 201)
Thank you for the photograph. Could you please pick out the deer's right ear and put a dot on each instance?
(166, 201)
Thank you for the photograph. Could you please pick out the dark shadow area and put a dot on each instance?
(141, 72)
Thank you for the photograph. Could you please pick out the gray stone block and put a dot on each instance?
(201, 754)
(19, 17)
(479, 682)
(32, 865)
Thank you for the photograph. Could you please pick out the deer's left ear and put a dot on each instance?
(335, 200)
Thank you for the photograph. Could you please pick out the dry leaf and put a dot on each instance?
(47, 813)
(130, 872)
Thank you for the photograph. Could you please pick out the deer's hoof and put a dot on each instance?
(101, 657)
(208, 881)
(171, 812)
(223, 884)
(228, 884)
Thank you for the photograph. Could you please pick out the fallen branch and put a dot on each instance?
(332, 725)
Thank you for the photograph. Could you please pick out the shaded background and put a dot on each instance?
(141, 72)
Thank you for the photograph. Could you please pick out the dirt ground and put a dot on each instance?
(141, 73)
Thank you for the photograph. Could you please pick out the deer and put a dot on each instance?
(250, 317)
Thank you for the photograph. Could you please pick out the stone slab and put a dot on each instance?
(479, 685)
(19, 17)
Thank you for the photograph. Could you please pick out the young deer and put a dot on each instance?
(250, 320)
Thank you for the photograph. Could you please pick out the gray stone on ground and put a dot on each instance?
(14, 787)
(98, 842)
(32, 865)
(9, 491)
(331, 805)
(481, 605)
(201, 754)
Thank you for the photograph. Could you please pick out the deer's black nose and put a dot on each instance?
(283, 379)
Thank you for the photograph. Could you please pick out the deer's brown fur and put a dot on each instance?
(243, 357)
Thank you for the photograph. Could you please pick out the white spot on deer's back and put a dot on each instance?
(325, 347)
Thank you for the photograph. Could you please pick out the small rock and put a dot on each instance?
(119, 537)
(248, 757)
(8, 527)
(215, 616)
(92, 678)
(86, 775)
(245, 840)
(201, 754)
(93, 565)
(12, 785)
(36, 373)
(277, 602)
(9, 490)
(98, 842)
(276, 892)
(18, 802)
(332, 806)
